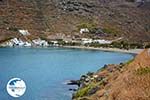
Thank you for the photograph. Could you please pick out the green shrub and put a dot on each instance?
(72, 44)
(13, 29)
(136, 45)
(61, 42)
(116, 45)
(84, 91)
(143, 71)
(126, 45)
(90, 26)
(129, 61)
(147, 46)
(96, 44)
(110, 31)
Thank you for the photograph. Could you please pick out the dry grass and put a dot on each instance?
(131, 84)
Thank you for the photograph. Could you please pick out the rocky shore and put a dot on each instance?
(129, 80)
(91, 82)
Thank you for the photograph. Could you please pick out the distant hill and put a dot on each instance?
(119, 18)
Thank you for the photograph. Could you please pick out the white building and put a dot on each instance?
(84, 30)
(24, 32)
(16, 41)
(39, 42)
(102, 41)
(27, 44)
(86, 40)
(44, 43)
(55, 42)
(10, 44)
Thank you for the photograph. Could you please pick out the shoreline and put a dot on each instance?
(130, 51)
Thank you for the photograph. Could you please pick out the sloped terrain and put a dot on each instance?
(118, 18)
(129, 81)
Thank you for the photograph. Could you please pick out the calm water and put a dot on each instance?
(46, 69)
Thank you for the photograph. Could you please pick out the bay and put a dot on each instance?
(45, 70)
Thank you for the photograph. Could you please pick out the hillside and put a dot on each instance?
(130, 81)
(117, 18)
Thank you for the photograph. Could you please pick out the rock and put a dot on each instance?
(83, 77)
(72, 89)
(74, 82)
(90, 73)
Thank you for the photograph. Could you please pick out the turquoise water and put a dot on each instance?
(45, 70)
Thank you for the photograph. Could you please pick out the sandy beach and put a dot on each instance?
(132, 51)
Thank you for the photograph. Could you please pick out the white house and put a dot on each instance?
(84, 30)
(24, 32)
(39, 42)
(27, 44)
(55, 43)
(44, 43)
(9, 43)
(86, 40)
(16, 41)
(103, 41)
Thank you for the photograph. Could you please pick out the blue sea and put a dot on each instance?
(45, 70)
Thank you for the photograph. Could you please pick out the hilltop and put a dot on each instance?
(57, 18)
(130, 80)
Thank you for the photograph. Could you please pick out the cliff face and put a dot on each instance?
(118, 17)
(130, 81)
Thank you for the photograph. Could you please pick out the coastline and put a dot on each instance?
(102, 84)
(131, 51)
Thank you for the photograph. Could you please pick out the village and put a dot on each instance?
(59, 40)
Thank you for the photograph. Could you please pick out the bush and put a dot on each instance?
(126, 45)
(89, 26)
(117, 45)
(110, 31)
(147, 46)
(130, 61)
(96, 31)
(84, 91)
(61, 42)
(73, 44)
(143, 71)
(13, 29)
(136, 45)
(96, 44)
